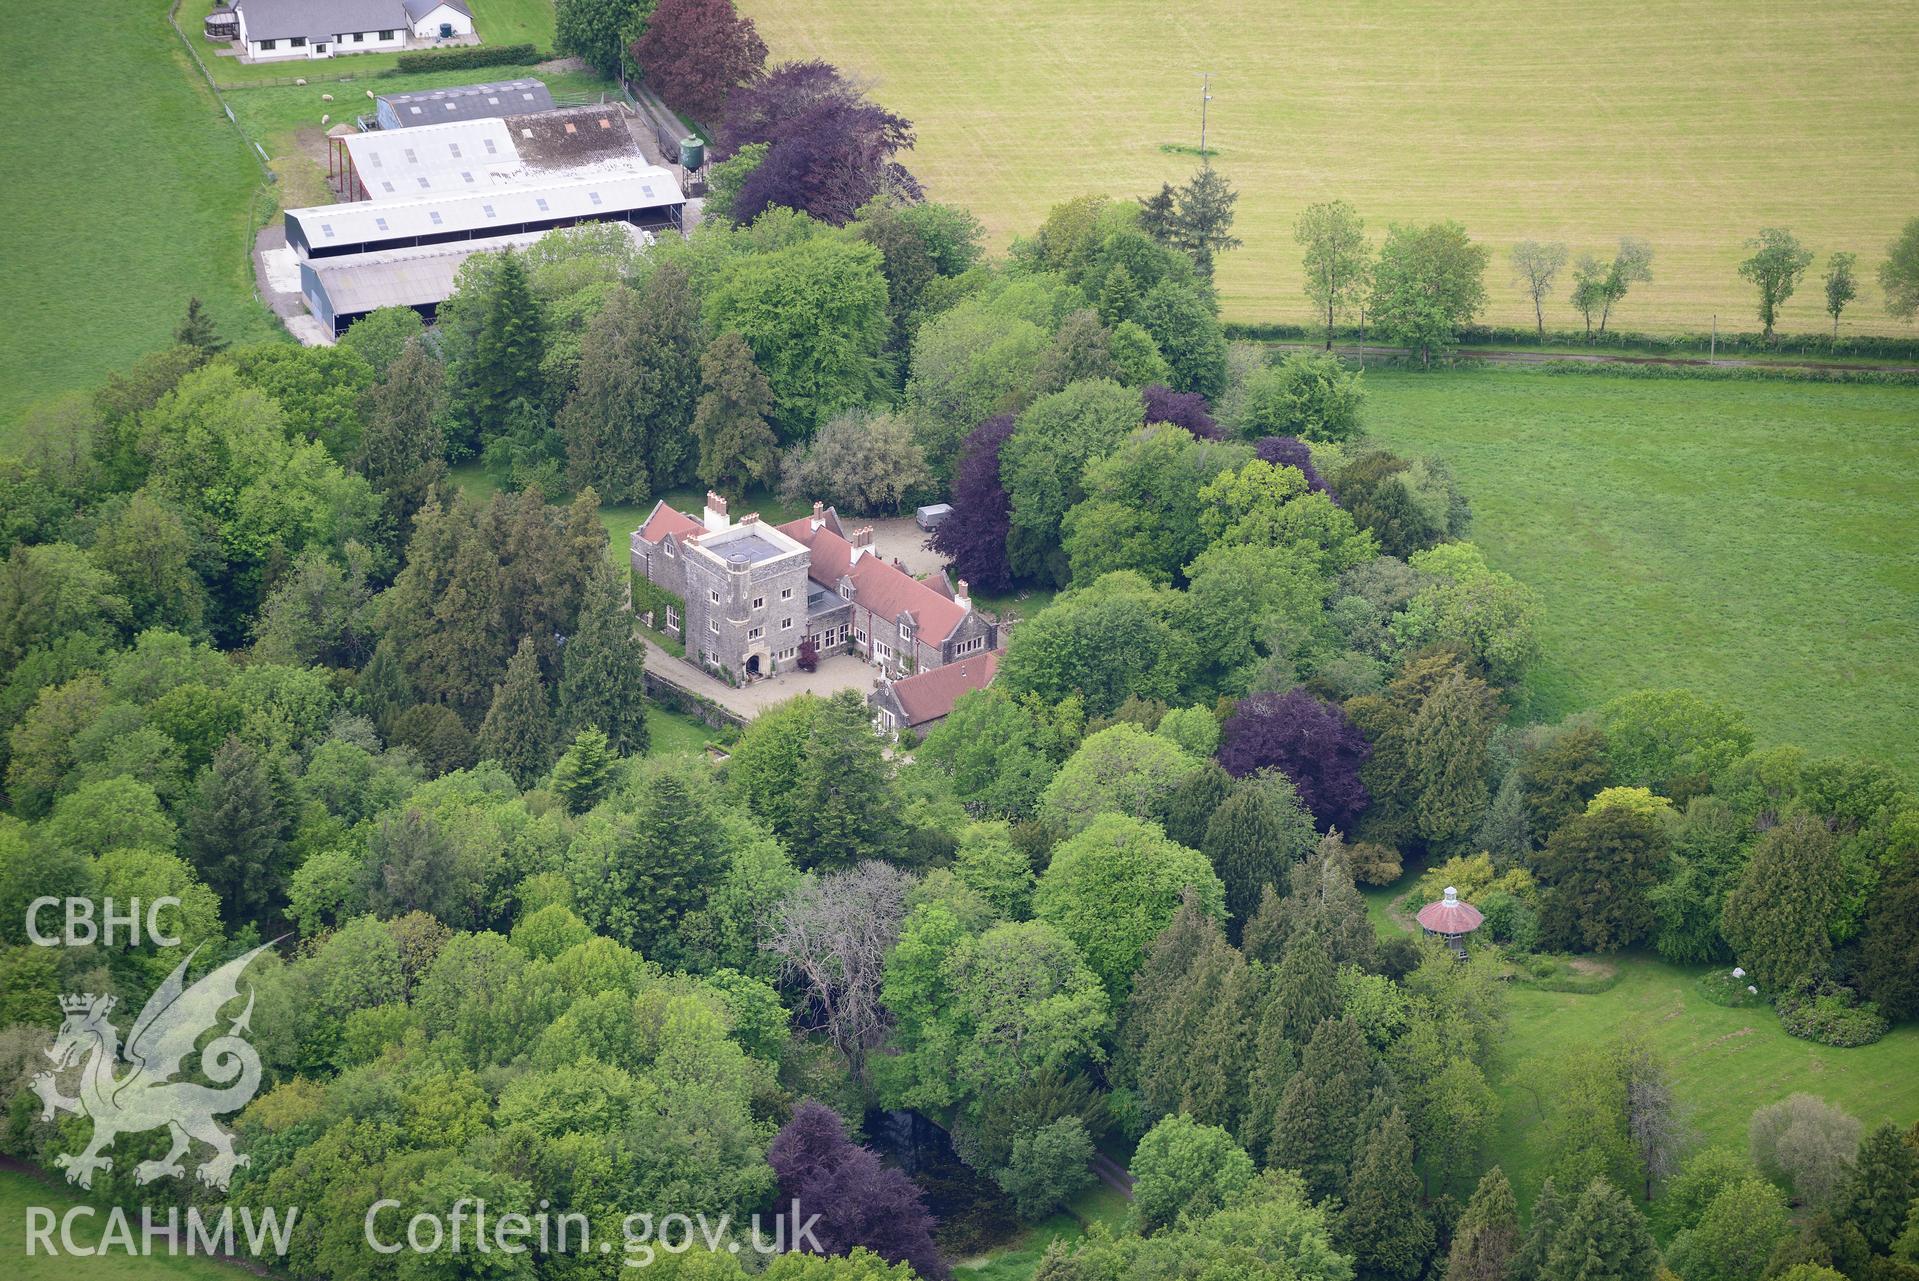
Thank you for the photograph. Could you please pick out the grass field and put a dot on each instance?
(19, 1191)
(1691, 125)
(106, 228)
(1749, 540)
(1724, 1063)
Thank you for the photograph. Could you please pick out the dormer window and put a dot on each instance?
(846, 589)
(906, 632)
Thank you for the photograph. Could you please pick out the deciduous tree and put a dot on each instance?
(1334, 253)
(1899, 273)
(1535, 267)
(1841, 287)
(1778, 261)
(697, 53)
(1429, 282)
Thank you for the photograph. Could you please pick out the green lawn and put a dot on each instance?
(675, 733)
(106, 228)
(1724, 1063)
(1691, 125)
(1749, 540)
(19, 1191)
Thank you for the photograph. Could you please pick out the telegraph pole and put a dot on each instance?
(1205, 96)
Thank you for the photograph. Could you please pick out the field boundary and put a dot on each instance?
(267, 177)
(1678, 366)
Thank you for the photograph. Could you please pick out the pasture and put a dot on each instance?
(1751, 540)
(107, 227)
(1690, 125)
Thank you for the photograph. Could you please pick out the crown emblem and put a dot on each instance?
(84, 1002)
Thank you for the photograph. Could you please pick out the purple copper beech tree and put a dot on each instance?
(831, 148)
(860, 1202)
(973, 537)
(1290, 451)
(1309, 741)
(1186, 409)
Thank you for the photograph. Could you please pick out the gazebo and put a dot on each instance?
(1452, 920)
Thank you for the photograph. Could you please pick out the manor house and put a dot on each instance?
(753, 593)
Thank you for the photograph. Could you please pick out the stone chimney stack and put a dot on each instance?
(862, 541)
(962, 596)
(714, 517)
(819, 515)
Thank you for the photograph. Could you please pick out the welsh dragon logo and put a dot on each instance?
(147, 1097)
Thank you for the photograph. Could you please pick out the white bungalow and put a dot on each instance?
(290, 29)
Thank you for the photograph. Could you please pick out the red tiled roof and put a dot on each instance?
(877, 586)
(939, 582)
(664, 520)
(931, 694)
(1450, 915)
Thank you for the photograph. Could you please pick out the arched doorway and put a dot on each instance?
(753, 665)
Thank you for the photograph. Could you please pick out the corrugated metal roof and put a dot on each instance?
(358, 283)
(468, 102)
(456, 157)
(319, 19)
(363, 221)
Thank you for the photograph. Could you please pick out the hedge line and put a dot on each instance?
(1728, 373)
(473, 55)
(1730, 344)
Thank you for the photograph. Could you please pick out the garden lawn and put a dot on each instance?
(1751, 540)
(126, 191)
(1724, 1063)
(1690, 125)
(19, 1191)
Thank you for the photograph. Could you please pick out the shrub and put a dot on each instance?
(1509, 920)
(1832, 1018)
(1736, 990)
(1373, 863)
(497, 55)
(1807, 1144)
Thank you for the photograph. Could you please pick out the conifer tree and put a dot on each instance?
(1158, 213)
(384, 689)
(843, 808)
(1317, 1125)
(235, 833)
(584, 771)
(602, 671)
(518, 730)
(1186, 812)
(1304, 986)
(508, 349)
(403, 443)
(1118, 296)
(1549, 1215)
(1885, 1179)
(1604, 1238)
(737, 446)
(1382, 1223)
(197, 330)
(1778, 918)
(1449, 741)
(1486, 1238)
(1253, 842)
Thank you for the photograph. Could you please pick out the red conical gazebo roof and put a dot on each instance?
(1449, 915)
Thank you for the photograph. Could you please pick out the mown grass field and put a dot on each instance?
(19, 1191)
(1691, 125)
(1724, 1063)
(1751, 540)
(126, 191)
